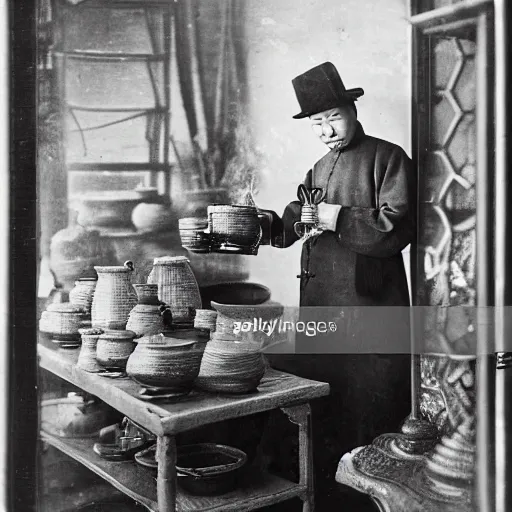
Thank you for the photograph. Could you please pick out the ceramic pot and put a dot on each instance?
(114, 348)
(177, 287)
(62, 321)
(166, 361)
(109, 208)
(153, 217)
(146, 319)
(87, 357)
(231, 367)
(82, 294)
(75, 251)
(114, 297)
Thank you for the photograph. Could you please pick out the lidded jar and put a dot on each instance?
(114, 297)
(62, 321)
(169, 361)
(177, 287)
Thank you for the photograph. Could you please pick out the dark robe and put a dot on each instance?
(356, 267)
(359, 264)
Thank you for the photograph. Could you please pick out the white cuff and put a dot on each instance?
(328, 216)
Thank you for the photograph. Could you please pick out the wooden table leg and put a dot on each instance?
(301, 416)
(166, 479)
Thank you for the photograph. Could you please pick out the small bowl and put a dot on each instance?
(107, 208)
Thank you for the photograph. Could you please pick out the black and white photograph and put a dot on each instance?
(257, 256)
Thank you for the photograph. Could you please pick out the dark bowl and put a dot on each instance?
(204, 469)
(235, 293)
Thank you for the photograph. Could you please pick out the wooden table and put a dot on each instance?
(277, 390)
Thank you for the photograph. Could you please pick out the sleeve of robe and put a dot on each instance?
(386, 230)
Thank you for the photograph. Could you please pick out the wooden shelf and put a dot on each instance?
(277, 389)
(111, 56)
(139, 482)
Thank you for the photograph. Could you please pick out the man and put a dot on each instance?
(367, 217)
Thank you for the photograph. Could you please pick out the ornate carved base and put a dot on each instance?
(402, 482)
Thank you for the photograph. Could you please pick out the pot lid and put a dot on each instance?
(164, 260)
(65, 307)
(118, 335)
(90, 331)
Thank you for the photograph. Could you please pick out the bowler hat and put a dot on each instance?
(321, 88)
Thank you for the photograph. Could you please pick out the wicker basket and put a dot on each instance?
(166, 362)
(233, 224)
(177, 287)
(231, 367)
(114, 297)
(62, 321)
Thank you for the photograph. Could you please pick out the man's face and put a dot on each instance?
(336, 126)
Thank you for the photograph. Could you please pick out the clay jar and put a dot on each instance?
(87, 357)
(153, 217)
(114, 297)
(167, 361)
(177, 287)
(83, 293)
(114, 348)
(149, 316)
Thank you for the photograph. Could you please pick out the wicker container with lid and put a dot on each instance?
(177, 287)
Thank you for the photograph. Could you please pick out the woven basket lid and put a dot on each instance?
(65, 307)
(118, 335)
(192, 222)
(164, 260)
(90, 331)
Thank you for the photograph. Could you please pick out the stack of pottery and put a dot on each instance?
(168, 362)
(149, 316)
(177, 287)
(87, 357)
(114, 348)
(114, 297)
(83, 293)
(62, 322)
(193, 235)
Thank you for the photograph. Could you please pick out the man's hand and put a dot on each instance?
(328, 216)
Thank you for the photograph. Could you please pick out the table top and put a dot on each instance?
(277, 389)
